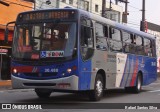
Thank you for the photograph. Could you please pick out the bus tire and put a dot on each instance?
(43, 93)
(97, 93)
(138, 87)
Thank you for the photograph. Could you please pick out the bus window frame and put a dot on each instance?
(109, 38)
(93, 39)
(106, 36)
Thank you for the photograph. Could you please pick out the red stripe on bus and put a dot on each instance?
(134, 74)
(24, 69)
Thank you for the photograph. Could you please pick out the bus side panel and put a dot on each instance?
(84, 74)
(150, 70)
(135, 64)
(130, 71)
(104, 61)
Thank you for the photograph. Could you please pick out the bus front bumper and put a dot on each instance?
(66, 83)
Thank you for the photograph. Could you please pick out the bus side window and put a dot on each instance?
(153, 48)
(115, 42)
(86, 39)
(139, 45)
(86, 34)
(147, 47)
(101, 36)
(126, 41)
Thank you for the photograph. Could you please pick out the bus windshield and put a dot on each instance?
(44, 41)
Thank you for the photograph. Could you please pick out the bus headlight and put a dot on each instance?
(73, 68)
(69, 70)
(14, 71)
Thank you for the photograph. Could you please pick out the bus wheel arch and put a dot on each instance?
(141, 74)
(139, 82)
(99, 85)
(103, 74)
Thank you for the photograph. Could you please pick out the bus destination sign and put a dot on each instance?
(33, 16)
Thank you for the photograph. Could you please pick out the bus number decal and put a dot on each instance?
(51, 70)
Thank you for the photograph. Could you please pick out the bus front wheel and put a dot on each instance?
(97, 93)
(43, 93)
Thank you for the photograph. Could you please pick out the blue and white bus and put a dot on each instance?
(71, 50)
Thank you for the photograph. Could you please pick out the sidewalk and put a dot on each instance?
(5, 84)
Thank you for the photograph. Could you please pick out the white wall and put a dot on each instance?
(40, 4)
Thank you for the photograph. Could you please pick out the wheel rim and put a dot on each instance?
(99, 87)
(139, 83)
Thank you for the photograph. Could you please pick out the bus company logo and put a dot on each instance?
(54, 53)
(45, 54)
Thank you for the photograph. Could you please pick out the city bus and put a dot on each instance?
(72, 50)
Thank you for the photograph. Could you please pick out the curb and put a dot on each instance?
(5, 83)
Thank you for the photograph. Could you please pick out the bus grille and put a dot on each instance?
(39, 84)
(39, 75)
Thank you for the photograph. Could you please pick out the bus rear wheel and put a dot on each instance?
(43, 93)
(97, 93)
(138, 87)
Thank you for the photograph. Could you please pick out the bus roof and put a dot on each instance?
(116, 24)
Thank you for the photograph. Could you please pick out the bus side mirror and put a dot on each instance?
(6, 35)
(7, 31)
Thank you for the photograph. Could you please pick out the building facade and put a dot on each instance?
(8, 13)
(93, 6)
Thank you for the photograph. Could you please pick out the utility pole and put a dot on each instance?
(34, 4)
(125, 13)
(103, 8)
(142, 27)
(126, 7)
(116, 2)
(110, 5)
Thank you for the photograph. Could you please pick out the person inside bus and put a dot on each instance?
(58, 41)
(132, 45)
